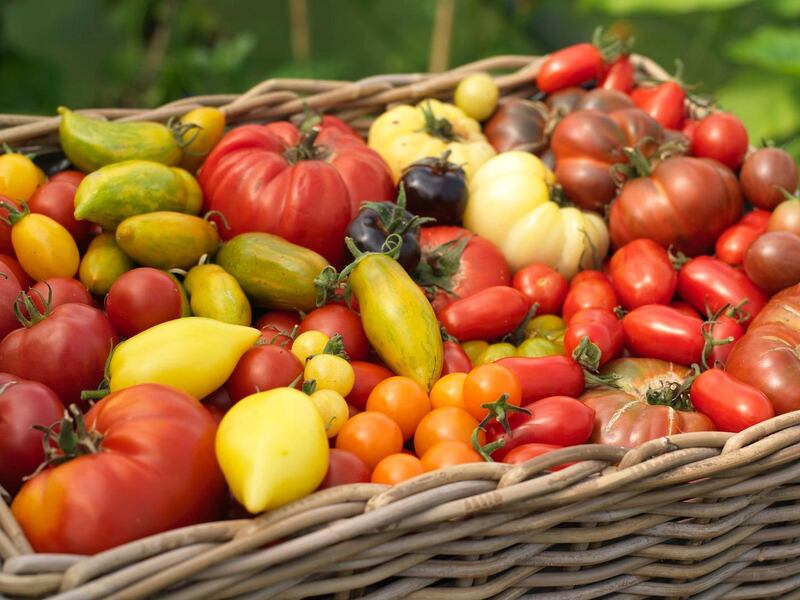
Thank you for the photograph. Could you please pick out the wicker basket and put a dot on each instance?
(701, 515)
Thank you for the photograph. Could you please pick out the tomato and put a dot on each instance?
(263, 368)
(534, 347)
(757, 218)
(5, 227)
(396, 468)
(456, 263)
(448, 391)
(684, 202)
(142, 298)
(448, 454)
(764, 173)
(657, 331)
(330, 372)
(496, 352)
(73, 177)
(549, 327)
(619, 76)
(333, 319)
(23, 404)
(570, 66)
(730, 404)
(474, 348)
(19, 177)
(664, 102)
(557, 420)
(590, 292)
(59, 290)
(485, 384)
(56, 199)
(73, 339)
(685, 308)
(367, 376)
(9, 295)
(371, 436)
(651, 402)
(721, 329)
(277, 325)
(708, 284)
(308, 344)
(210, 125)
(303, 187)
(490, 313)
(218, 403)
(733, 243)
(151, 453)
(546, 376)
(333, 410)
(771, 261)
(445, 423)
(477, 95)
(42, 246)
(526, 452)
(344, 468)
(643, 274)
(786, 217)
(543, 286)
(455, 359)
(518, 124)
(721, 136)
(401, 399)
(603, 329)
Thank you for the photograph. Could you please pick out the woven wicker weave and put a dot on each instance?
(702, 515)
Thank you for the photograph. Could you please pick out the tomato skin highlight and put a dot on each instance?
(731, 404)
(619, 76)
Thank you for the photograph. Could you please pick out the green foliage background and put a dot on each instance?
(145, 52)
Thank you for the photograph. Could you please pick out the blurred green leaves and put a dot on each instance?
(773, 48)
(629, 7)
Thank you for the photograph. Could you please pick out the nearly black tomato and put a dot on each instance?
(437, 188)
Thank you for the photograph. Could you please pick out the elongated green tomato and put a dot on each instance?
(167, 240)
(43, 246)
(194, 193)
(398, 319)
(194, 354)
(134, 187)
(91, 143)
(103, 263)
(209, 125)
(186, 308)
(272, 448)
(216, 294)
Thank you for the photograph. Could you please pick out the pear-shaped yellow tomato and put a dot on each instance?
(43, 246)
(272, 448)
(405, 134)
(209, 125)
(193, 354)
(19, 177)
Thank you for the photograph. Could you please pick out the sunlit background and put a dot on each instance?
(92, 53)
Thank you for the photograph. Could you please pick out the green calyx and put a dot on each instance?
(438, 127)
(67, 439)
(499, 411)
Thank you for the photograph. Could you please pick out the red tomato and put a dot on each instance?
(643, 274)
(709, 284)
(603, 329)
(344, 468)
(456, 263)
(526, 452)
(590, 292)
(557, 420)
(724, 328)
(218, 403)
(721, 136)
(619, 76)
(263, 368)
(73, 177)
(688, 129)
(56, 199)
(276, 326)
(155, 460)
(142, 298)
(23, 404)
(9, 293)
(367, 376)
(65, 349)
(542, 285)
(545, 376)
(485, 384)
(664, 102)
(333, 319)
(570, 66)
(488, 314)
(5, 228)
(59, 290)
(685, 203)
(589, 275)
(303, 187)
(729, 403)
(686, 309)
(9, 265)
(757, 218)
(657, 331)
(734, 242)
(455, 359)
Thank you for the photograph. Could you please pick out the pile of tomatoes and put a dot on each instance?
(204, 322)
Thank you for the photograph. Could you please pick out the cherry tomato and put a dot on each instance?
(570, 66)
(731, 404)
(449, 391)
(308, 344)
(786, 217)
(330, 373)
(496, 352)
(448, 454)
(721, 136)
(474, 348)
(455, 360)
(344, 467)
(401, 399)
(371, 436)
(477, 95)
(396, 468)
(643, 274)
(277, 325)
(549, 327)
(757, 218)
(73, 177)
(525, 452)
(332, 408)
(542, 285)
(263, 368)
(445, 423)
(333, 319)
(485, 384)
(734, 242)
(603, 329)
(657, 331)
(546, 376)
(535, 347)
(19, 177)
(142, 298)
(663, 102)
(764, 173)
(487, 314)
(56, 199)
(619, 76)
(367, 376)
(591, 291)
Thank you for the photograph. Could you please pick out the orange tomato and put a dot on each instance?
(371, 436)
(449, 391)
(401, 399)
(449, 453)
(447, 423)
(396, 468)
(485, 384)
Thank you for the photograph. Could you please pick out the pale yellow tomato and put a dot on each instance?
(332, 408)
(308, 344)
(477, 95)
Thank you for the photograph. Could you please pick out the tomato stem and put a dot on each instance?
(437, 267)
(67, 439)
(438, 127)
(498, 411)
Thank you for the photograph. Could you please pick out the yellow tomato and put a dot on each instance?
(332, 408)
(44, 247)
(539, 346)
(272, 448)
(496, 352)
(210, 125)
(474, 348)
(330, 373)
(308, 344)
(477, 95)
(19, 177)
(551, 327)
